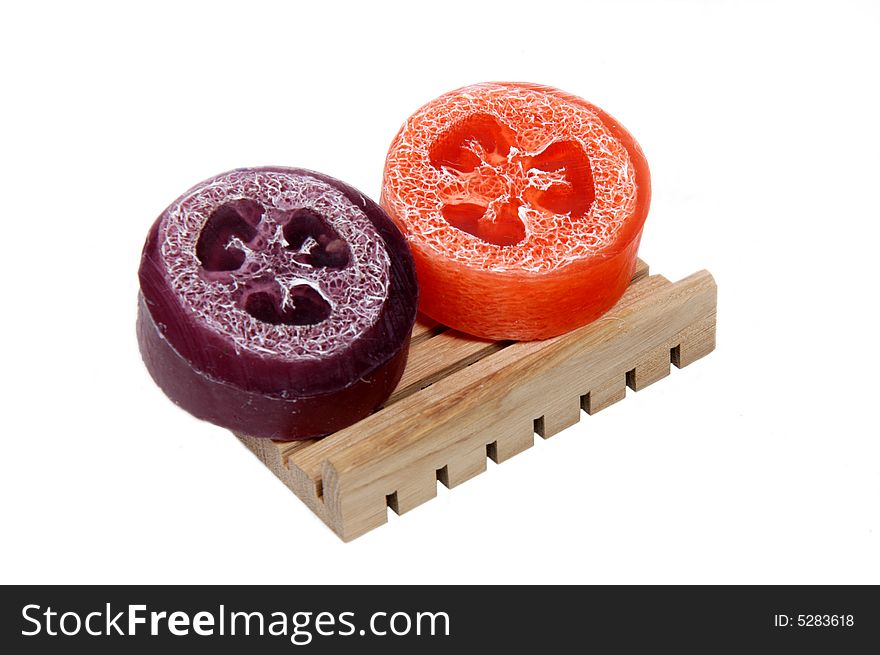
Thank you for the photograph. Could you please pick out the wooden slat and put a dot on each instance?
(311, 459)
(642, 269)
(440, 356)
(449, 351)
(424, 328)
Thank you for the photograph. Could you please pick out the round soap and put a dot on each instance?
(524, 206)
(276, 302)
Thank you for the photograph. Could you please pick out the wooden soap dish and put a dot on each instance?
(462, 399)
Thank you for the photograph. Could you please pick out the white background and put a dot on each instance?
(759, 463)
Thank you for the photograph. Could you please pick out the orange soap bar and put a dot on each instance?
(523, 206)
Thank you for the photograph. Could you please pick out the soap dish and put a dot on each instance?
(463, 399)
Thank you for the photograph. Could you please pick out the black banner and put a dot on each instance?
(435, 619)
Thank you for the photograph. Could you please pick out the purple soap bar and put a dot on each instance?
(276, 302)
